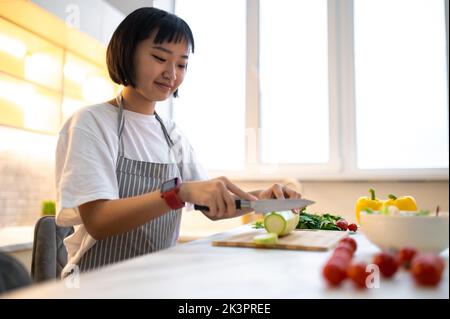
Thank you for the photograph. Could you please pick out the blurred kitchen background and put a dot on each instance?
(330, 97)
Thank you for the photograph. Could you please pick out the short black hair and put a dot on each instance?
(137, 27)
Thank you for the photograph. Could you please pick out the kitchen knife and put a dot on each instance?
(266, 205)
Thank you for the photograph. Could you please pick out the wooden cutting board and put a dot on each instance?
(317, 240)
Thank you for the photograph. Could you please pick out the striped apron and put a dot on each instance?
(135, 178)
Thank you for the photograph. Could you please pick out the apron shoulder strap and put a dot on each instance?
(120, 124)
(170, 142)
(166, 134)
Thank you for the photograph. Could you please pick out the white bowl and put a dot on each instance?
(424, 233)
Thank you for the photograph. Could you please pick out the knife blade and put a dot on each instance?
(266, 205)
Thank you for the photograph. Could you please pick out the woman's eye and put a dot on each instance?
(182, 66)
(158, 58)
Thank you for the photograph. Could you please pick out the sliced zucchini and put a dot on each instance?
(269, 238)
(281, 223)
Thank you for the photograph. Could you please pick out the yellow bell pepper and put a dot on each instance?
(387, 202)
(367, 202)
(402, 203)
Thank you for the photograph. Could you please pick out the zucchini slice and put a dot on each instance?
(269, 238)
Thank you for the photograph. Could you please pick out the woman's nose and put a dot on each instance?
(170, 73)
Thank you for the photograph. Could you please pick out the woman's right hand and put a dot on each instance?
(217, 194)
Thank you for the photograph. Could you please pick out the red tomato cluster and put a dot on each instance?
(343, 225)
(425, 268)
(335, 270)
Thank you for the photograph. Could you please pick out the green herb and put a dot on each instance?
(258, 225)
(423, 213)
(369, 211)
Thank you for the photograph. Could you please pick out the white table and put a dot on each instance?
(199, 270)
(16, 238)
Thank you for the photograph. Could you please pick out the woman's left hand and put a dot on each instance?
(281, 192)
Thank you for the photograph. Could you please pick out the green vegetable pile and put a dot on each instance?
(312, 221)
(316, 221)
(421, 212)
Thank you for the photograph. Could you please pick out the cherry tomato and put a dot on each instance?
(345, 246)
(387, 264)
(350, 241)
(405, 256)
(335, 271)
(358, 275)
(341, 254)
(427, 269)
(353, 227)
(342, 224)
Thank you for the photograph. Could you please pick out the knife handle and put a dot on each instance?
(206, 208)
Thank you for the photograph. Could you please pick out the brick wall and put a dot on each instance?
(26, 175)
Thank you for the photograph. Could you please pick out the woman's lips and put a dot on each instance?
(163, 87)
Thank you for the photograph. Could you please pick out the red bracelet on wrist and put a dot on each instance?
(169, 192)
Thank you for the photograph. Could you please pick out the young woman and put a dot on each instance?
(123, 173)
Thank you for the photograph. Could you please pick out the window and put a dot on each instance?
(401, 84)
(317, 89)
(211, 104)
(295, 124)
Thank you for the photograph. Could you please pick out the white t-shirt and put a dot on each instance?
(86, 157)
